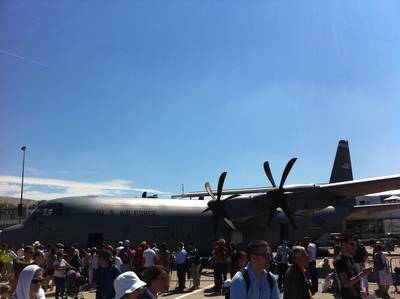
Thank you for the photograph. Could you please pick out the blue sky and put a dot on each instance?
(112, 97)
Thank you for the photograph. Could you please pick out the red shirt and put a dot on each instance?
(138, 260)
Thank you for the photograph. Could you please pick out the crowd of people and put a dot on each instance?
(143, 271)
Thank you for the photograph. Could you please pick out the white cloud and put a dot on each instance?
(47, 188)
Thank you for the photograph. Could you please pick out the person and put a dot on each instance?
(312, 264)
(138, 261)
(149, 257)
(220, 260)
(156, 249)
(125, 255)
(36, 245)
(20, 251)
(60, 266)
(120, 246)
(25, 260)
(255, 281)
(239, 261)
(180, 259)
(117, 260)
(360, 258)
(348, 272)
(7, 257)
(193, 261)
(75, 261)
(105, 275)
(381, 265)
(128, 286)
(164, 257)
(296, 285)
(29, 284)
(281, 258)
(157, 281)
(50, 259)
(327, 274)
(39, 259)
(93, 264)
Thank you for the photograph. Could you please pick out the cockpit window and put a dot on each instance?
(50, 209)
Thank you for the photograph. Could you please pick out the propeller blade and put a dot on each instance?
(285, 173)
(230, 223)
(286, 211)
(268, 172)
(209, 191)
(221, 184)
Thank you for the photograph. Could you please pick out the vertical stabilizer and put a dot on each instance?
(342, 170)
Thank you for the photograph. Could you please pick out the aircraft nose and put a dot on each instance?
(12, 234)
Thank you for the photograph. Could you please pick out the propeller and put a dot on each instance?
(217, 206)
(277, 195)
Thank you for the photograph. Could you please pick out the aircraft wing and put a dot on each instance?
(225, 192)
(363, 187)
(377, 211)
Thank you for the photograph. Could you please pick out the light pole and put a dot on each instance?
(22, 184)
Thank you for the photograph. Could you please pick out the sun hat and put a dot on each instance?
(127, 283)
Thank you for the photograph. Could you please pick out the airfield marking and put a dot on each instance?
(194, 292)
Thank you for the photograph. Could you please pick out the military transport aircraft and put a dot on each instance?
(272, 213)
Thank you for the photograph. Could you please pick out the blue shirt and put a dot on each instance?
(180, 256)
(258, 289)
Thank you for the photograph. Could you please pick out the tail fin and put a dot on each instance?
(342, 170)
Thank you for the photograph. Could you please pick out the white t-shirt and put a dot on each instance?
(118, 262)
(312, 252)
(149, 257)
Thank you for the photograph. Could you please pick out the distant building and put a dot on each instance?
(377, 224)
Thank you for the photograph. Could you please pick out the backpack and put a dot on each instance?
(360, 254)
(246, 278)
(378, 262)
(124, 256)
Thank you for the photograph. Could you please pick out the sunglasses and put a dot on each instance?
(36, 281)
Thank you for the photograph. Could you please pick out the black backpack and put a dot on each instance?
(124, 255)
(378, 262)
(246, 278)
(361, 254)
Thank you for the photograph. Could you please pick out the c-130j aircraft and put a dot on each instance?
(239, 215)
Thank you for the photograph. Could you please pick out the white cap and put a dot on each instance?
(127, 283)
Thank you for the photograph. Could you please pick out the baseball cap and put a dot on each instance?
(126, 283)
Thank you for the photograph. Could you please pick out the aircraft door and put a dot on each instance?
(94, 240)
(283, 231)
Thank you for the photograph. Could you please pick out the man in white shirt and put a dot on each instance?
(312, 267)
(149, 257)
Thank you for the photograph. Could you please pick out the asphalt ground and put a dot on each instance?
(205, 290)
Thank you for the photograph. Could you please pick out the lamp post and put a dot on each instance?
(20, 212)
